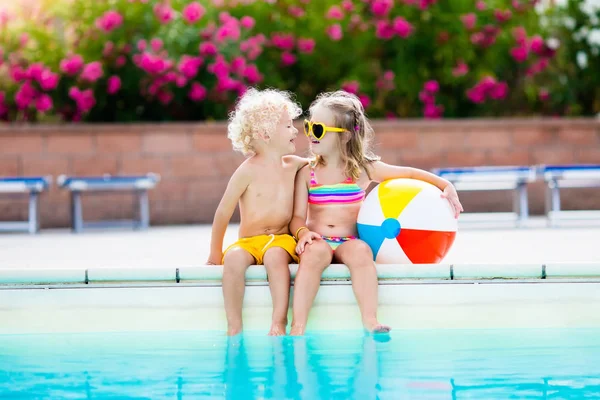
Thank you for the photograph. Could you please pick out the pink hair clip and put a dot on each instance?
(356, 128)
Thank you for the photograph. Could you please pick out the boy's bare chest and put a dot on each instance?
(272, 183)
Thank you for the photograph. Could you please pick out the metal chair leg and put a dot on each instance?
(33, 213)
(76, 212)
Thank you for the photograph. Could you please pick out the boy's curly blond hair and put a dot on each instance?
(256, 114)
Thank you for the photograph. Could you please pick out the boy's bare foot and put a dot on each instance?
(233, 330)
(278, 329)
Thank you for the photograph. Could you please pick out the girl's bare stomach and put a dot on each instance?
(333, 220)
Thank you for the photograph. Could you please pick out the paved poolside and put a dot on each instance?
(184, 246)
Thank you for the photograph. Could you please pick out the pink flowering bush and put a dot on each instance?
(148, 60)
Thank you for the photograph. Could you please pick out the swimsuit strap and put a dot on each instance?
(313, 181)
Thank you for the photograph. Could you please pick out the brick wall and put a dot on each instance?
(195, 160)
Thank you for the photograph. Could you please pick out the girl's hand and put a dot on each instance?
(307, 238)
(452, 196)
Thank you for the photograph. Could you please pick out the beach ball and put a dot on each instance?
(405, 221)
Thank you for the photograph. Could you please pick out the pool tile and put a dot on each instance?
(40, 276)
(572, 270)
(131, 274)
(496, 271)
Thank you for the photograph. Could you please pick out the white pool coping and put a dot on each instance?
(256, 274)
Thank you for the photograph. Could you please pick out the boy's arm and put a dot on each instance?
(298, 161)
(235, 188)
(300, 202)
(380, 171)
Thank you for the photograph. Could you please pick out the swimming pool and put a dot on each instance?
(432, 364)
(459, 331)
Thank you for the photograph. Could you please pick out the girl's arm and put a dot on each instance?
(380, 171)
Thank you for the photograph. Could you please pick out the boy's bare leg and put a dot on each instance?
(358, 257)
(316, 257)
(236, 262)
(277, 262)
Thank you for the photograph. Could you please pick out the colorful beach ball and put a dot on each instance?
(405, 221)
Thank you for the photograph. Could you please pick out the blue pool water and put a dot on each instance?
(444, 364)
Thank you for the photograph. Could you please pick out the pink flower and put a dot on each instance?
(109, 21)
(35, 71)
(499, 91)
(544, 94)
(229, 30)
(156, 44)
(48, 80)
(189, 66)
(431, 86)
(432, 111)
(389, 75)
(502, 16)
(114, 84)
(71, 65)
(384, 30)
(120, 61)
(520, 53)
(247, 22)
(108, 48)
(351, 87)
(207, 49)
(252, 75)
(476, 95)
(238, 64)
(335, 32)
(520, 35)
(469, 20)
(164, 13)
(306, 45)
(153, 64)
(537, 44)
(481, 6)
(142, 45)
(335, 12)
(283, 41)
(365, 100)
(165, 97)
(426, 97)
(296, 11)
(193, 12)
(380, 8)
(460, 69)
(219, 68)
(197, 92)
(288, 59)
(25, 95)
(92, 71)
(43, 103)
(402, 27)
(85, 99)
(347, 5)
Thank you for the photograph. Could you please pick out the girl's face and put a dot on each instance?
(328, 144)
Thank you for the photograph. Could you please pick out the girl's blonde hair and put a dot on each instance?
(349, 114)
(256, 115)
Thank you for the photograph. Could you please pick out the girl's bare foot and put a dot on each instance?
(376, 327)
(297, 330)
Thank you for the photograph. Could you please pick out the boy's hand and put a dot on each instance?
(450, 194)
(214, 259)
(307, 238)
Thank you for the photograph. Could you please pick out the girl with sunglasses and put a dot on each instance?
(328, 196)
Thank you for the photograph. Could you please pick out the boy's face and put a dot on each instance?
(329, 142)
(285, 133)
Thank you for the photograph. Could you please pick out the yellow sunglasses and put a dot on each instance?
(318, 130)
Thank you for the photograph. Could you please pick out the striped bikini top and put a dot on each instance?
(346, 192)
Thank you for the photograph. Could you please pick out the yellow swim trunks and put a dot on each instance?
(257, 246)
